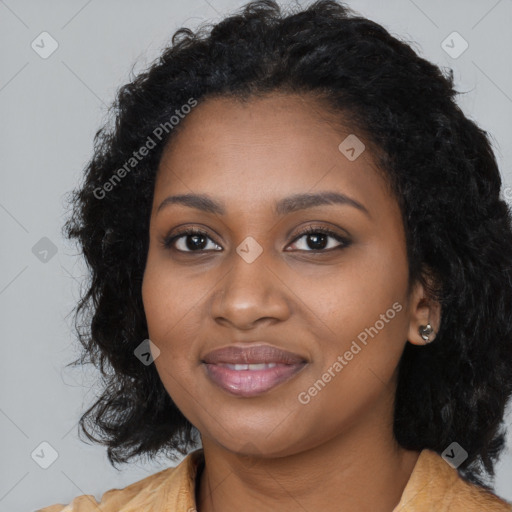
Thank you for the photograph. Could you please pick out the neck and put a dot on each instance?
(363, 469)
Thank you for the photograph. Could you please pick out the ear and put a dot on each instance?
(422, 310)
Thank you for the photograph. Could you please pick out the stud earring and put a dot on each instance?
(425, 332)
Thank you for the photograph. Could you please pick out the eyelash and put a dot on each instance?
(169, 241)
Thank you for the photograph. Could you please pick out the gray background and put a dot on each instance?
(50, 109)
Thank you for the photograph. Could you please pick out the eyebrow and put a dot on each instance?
(286, 205)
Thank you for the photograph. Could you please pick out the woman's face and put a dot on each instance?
(265, 170)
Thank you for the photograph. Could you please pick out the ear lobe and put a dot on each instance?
(425, 317)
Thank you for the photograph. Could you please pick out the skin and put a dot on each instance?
(272, 452)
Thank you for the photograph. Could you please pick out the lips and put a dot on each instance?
(256, 354)
(251, 370)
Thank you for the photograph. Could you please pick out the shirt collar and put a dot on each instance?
(433, 483)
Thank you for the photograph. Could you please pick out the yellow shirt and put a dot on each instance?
(434, 486)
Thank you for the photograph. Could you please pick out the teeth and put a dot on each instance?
(259, 366)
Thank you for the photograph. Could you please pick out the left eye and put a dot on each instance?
(318, 240)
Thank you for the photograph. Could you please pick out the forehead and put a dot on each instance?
(263, 148)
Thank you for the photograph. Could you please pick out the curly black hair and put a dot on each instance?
(438, 163)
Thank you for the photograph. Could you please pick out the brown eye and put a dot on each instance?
(317, 239)
(190, 240)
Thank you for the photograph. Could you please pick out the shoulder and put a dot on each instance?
(435, 485)
(144, 494)
(114, 497)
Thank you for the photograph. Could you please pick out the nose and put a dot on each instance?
(250, 293)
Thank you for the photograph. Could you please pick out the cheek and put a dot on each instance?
(165, 319)
(170, 306)
(166, 300)
(355, 295)
(364, 306)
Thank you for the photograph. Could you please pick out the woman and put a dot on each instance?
(301, 275)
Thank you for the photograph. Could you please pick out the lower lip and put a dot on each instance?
(251, 382)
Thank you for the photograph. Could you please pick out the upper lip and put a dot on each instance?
(252, 354)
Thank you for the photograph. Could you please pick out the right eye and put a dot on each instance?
(189, 240)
